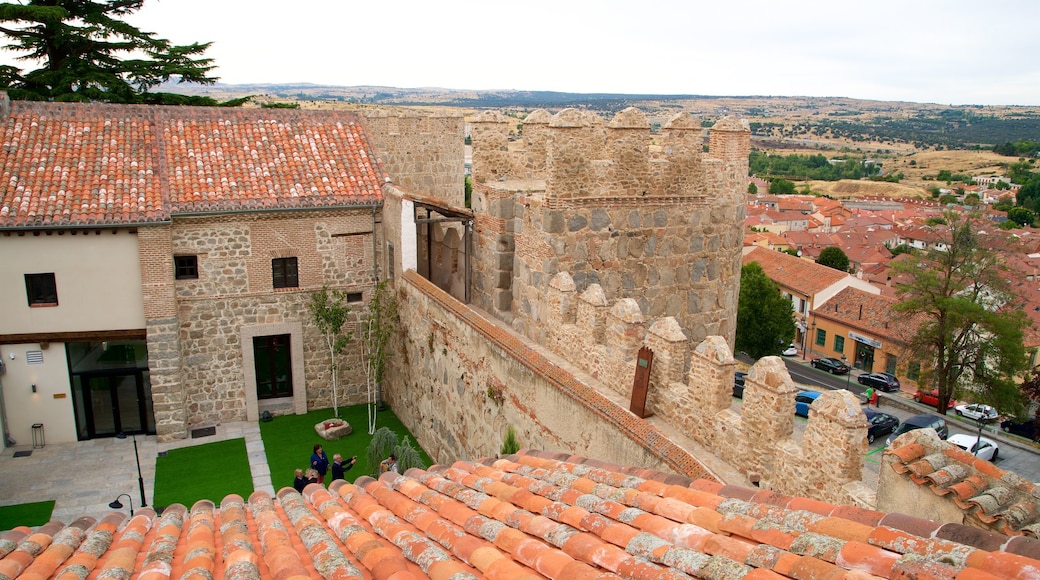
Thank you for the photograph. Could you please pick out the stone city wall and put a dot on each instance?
(604, 340)
(460, 380)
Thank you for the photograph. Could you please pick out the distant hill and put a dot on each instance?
(776, 122)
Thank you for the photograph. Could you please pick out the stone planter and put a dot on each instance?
(332, 429)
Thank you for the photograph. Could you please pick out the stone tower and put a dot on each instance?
(654, 218)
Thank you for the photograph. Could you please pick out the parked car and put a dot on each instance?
(1025, 428)
(978, 446)
(976, 412)
(802, 401)
(921, 422)
(880, 424)
(791, 350)
(830, 364)
(881, 381)
(738, 384)
(932, 399)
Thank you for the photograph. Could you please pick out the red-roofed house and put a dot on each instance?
(805, 283)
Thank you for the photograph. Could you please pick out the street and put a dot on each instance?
(1024, 462)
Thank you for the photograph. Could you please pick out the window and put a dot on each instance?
(284, 273)
(185, 267)
(41, 289)
(821, 337)
(354, 297)
(913, 370)
(890, 365)
(839, 343)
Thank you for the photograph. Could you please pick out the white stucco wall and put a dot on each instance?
(97, 275)
(51, 404)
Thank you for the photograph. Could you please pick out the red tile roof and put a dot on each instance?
(533, 515)
(67, 164)
(795, 273)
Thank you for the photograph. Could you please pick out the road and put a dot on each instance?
(1021, 461)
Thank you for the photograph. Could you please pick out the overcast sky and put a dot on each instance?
(942, 51)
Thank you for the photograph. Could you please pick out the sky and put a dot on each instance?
(951, 52)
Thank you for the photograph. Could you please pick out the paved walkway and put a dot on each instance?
(84, 477)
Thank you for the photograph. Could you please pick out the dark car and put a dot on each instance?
(881, 381)
(880, 424)
(932, 399)
(830, 364)
(738, 384)
(802, 401)
(1025, 429)
(921, 422)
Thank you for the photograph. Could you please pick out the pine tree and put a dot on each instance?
(87, 52)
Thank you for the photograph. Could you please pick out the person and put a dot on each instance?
(300, 482)
(388, 464)
(338, 468)
(312, 476)
(320, 462)
(874, 398)
(870, 395)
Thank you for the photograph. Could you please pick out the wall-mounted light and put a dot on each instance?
(34, 387)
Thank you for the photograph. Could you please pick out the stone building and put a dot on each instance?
(160, 259)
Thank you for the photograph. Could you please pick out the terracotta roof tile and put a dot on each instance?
(525, 516)
(991, 497)
(67, 164)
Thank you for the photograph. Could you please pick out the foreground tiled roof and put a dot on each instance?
(75, 164)
(533, 515)
(990, 497)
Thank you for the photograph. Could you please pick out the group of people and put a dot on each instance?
(320, 466)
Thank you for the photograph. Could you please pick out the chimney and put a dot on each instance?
(5, 105)
(861, 312)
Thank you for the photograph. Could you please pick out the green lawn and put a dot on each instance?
(211, 471)
(289, 441)
(25, 514)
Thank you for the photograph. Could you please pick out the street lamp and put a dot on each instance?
(117, 505)
(848, 375)
(140, 478)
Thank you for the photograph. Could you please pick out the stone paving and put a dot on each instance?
(84, 477)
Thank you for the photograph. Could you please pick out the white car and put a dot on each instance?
(978, 446)
(791, 350)
(976, 412)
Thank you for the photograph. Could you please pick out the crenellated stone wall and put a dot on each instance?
(604, 340)
(652, 218)
(460, 380)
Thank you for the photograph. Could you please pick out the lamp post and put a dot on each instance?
(140, 478)
(117, 505)
(848, 374)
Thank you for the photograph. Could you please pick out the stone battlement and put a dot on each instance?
(576, 155)
(604, 340)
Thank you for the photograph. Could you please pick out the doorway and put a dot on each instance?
(109, 403)
(864, 357)
(272, 357)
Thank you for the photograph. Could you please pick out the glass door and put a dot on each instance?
(111, 403)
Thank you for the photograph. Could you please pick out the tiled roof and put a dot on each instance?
(67, 164)
(533, 515)
(991, 498)
(868, 312)
(795, 273)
